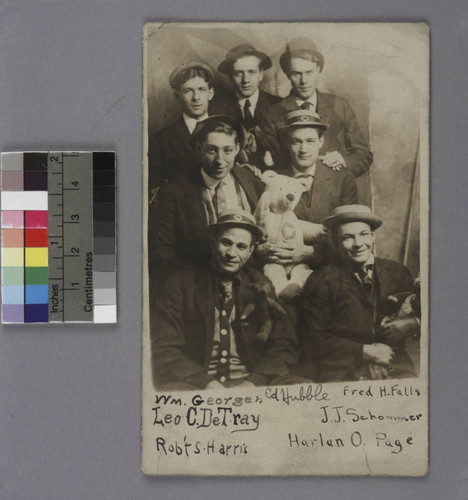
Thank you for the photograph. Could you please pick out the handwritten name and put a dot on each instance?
(303, 393)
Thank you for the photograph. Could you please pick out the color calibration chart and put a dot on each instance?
(58, 237)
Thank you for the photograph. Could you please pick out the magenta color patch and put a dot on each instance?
(13, 313)
(12, 180)
(35, 219)
(12, 218)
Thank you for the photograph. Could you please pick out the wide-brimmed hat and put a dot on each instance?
(352, 213)
(244, 49)
(301, 43)
(173, 77)
(238, 218)
(303, 118)
(228, 120)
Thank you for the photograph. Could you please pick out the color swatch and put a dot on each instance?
(58, 237)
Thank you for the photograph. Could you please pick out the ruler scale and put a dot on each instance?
(58, 237)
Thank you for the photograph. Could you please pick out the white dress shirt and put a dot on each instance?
(312, 99)
(253, 99)
(191, 123)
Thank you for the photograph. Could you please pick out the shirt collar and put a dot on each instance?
(191, 123)
(211, 183)
(309, 171)
(312, 99)
(253, 100)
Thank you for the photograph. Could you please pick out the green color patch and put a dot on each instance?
(36, 275)
(12, 275)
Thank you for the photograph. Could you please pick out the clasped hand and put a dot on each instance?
(285, 253)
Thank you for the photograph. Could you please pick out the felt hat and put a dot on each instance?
(301, 43)
(303, 118)
(352, 213)
(174, 76)
(244, 49)
(228, 120)
(238, 218)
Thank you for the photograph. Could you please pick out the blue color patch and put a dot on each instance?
(13, 294)
(36, 313)
(36, 294)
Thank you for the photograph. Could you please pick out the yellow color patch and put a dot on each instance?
(12, 257)
(36, 257)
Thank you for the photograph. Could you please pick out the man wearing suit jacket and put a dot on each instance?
(217, 327)
(170, 151)
(184, 206)
(245, 66)
(327, 189)
(345, 145)
(348, 331)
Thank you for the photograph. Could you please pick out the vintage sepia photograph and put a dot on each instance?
(285, 264)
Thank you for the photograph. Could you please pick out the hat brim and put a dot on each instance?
(229, 120)
(321, 126)
(257, 231)
(339, 219)
(226, 66)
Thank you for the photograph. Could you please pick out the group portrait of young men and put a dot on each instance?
(216, 320)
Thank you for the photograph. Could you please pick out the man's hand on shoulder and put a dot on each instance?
(256, 171)
(333, 160)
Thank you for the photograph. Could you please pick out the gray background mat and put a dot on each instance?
(70, 395)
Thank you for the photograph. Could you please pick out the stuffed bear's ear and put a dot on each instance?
(268, 175)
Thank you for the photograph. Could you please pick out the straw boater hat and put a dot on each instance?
(244, 49)
(238, 218)
(352, 213)
(301, 43)
(228, 120)
(174, 76)
(303, 118)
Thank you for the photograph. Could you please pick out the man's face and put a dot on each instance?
(231, 250)
(218, 154)
(194, 95)
(246, 75)
(304, 147)
(357, 241)
(304, 76)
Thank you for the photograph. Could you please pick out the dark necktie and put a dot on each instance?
(307, 105)
(225, 288)
(248, 118)
(308, 179)
(219, 199)
(366, 278)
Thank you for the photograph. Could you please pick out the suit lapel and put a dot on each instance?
(204, 304)
(320, 188)
(194, 201)
(244, 177)
(382, 278)
(289, 103)
(324, 106)
(182, 139)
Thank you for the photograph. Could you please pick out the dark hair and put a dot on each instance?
(220, 127)
(193, 72)
(299, 54)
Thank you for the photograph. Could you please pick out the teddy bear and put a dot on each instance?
(275, 214)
